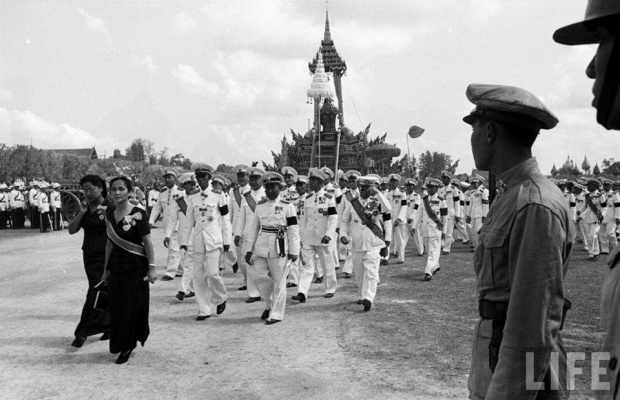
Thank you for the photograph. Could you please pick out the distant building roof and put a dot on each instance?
(88, 153)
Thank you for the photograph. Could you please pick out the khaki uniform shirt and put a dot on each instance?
(610, 321)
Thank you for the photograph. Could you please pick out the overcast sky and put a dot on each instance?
(222, 81)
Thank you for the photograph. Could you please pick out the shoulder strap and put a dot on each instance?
(124, 244)
(182, 204)
(359, 210)
(237, 194)
(250, 200)
(430, 213)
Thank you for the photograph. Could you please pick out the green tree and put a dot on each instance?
(117, 154)
(431, 164)
(554, 171)
(585, 165)
(596, 171)
(140, 150)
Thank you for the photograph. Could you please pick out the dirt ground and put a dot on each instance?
(413, 344)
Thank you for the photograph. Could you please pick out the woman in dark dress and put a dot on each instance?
(129, 269)
(91, 218)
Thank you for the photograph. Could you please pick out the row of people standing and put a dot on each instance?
(42, 203)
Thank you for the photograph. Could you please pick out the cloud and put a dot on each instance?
(146, 62)
(184, 22)
(6, 97)
(20, 127)
(192, 81)
(95, 24)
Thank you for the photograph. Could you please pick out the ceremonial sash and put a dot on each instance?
(237, 195)
(182, 205)
(591, 205)
(368, 222)
(430, 213)
(250, 200)
(124, 244)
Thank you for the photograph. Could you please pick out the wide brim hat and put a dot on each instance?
(581, 32)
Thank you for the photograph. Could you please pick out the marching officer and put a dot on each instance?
(208, 215)
(273, 239)
(164, 206)
(479, 199)
(152, 195)
(236, 202)
(43, 205)
(302, 188)
(319, 222)
(242, 229)
(523, 252)
(33, 202)
(580, 207)
(177, 221)
(290, 178)
(460, 225)
(335, 191)
(17, 204)
(432, 218)
(594, 209)
(398, 201)
(56, 207)
(367, 224)
(611, 219)
(4, 206)
(352, 188)
(413, 203)
(452, 199)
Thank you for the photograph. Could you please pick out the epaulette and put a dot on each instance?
(327, 195)
(440, 198)
(284, 201)
(263, 200)
(309, 195)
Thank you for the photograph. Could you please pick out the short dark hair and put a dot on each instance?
(95, 180)
(127, 181)
(517, 134)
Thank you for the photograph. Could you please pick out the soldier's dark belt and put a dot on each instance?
(497, 311)
(272, 229)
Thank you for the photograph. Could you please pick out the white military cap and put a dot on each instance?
(3, 186)
(341, 174)
(562, 181)
(455, 181)
(302, 179)
(447, 174)
(328, 171)
(477, 178)
(273, 177)
(317, 173)
(42, 185)
(353, 174)
(55, 185)
(394, 177)
(367, 180)
(411, 181)
(187, 177)
(289, 171)
(432, 182)
(578, 186)
(593, 180)
(241, 169)
(255, 171)
(202, 168)
(217, 178)
(385, 179)
(510, 105)
(464, 185)
(170, 171)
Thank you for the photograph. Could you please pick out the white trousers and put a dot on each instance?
(173, 263)
(607, 236)
(271, 283)
(400, 240)
(580, 232)
(417, 240)
(447, 243)
(591, 238)
(461, 230)
(187, 284)
(433, 249)
(366, 268)
(249, 276)
(476, 225)
(293, 273)
(343, 250)
(208, 284)
(326, 264)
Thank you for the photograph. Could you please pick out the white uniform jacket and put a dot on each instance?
(362, 238)
(600, 204)
(289, 194)
(152, 197)
(580, 203)
(33, 197)
(413, 203)
(613, 207)
(55, 199)
(16, 199)
(207, 212)
(43, 202)
(162, 206)
(398, 201)
(4, 201)
(320, 218)
(451, 196)
(236, 203)
(272, 215)
(479, 202)
(242, 224)
(178, 219)
(440, 210)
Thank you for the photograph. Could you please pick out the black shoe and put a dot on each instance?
(437, 270)
(190, 294)
(78, 341)
(300, 297)
(166, 278)
(220, 308)
(318, 280)
(235, 268)
(367, 304)
(347, 275)
(384, 262)
(243, 288)
(592, 258)
(360, 301)
(428, 277)
(272, 321)
(178, 276)
(180, 296)
(123, 357)
(445, 253)
(105, 336)
(265, 314)
(253, 299)
(202, 317)
(290, 284)
(328, 295)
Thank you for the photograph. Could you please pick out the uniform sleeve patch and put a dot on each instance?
(331, 211)
(291, 221)
(224, 210)
(387, 216)
(403, 202)
(327, 195)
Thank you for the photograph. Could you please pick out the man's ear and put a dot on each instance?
(491, 129)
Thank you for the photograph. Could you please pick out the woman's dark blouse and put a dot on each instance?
(93, 224)
(122, 260)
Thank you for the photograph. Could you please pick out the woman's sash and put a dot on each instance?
(124, 244)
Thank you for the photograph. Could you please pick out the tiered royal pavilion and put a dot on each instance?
(335, 145)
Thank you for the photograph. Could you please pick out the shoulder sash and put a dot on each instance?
(182, 204)
(237, 194)
(250, 200)
(368, 222)
(122, 243)
(430, 213)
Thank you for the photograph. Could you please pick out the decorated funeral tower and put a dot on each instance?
(329, 142)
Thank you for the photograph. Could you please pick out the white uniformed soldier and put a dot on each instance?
(236, 201)
(243, 226)
(593, 211)
(33, 202)
(152, 196)
(611, 218)
(273, 239)
(459, 227)
(318, 228)
(163, 206)
(221, 184)
(208, 215)
(398, 201)
(479, 199)
(451, 196)
(43, 205)
(56, 207)
(580, 205)
(333, 190)
(413, 203)
(343, 184)
(432, 219)
(290, 178)
(366, 223)
(4, 206)
(17, 204)
(178, 219)
(352, 177)
(301, 186)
